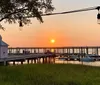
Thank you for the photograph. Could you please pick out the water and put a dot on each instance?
(57, 61)
(96, 63)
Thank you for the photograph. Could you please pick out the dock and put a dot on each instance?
(39, 55)
(34, 58)
(57, 50)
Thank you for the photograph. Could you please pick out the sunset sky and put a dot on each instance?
(77, 29)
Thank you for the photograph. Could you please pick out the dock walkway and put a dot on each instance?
(46, 58)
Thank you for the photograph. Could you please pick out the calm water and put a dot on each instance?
(96, 63)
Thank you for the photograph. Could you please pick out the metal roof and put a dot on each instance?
(2, 43)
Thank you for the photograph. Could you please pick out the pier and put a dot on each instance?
(34, 58)
(41, 55)
(57, 50)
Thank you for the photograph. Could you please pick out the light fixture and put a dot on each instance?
(98, 15)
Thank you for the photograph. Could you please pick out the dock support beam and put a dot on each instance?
(21, 62)
(28, 61)
(34, 61)
(13, 62)
(5, 63)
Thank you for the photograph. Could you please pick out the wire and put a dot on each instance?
(80, 10)
(67, 12)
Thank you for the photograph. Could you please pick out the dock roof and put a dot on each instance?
(2, 43)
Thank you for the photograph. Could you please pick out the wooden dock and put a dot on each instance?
(35, 54)
(36, 58)
(57, 50)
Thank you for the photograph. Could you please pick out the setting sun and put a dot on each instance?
(52, 41)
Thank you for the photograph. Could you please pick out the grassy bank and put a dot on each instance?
(48, 74)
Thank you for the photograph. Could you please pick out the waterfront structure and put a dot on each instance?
(71, 50)
(3, 48)
(44, 54)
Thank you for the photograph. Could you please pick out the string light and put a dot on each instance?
(74, 11)
(67, 12)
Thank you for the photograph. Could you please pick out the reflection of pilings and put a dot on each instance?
(49, 60)
(44, 60)
(53, 59)
(38, 60)
(32, 61)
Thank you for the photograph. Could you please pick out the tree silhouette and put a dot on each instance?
(20, 11)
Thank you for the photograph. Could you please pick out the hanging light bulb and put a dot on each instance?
(20, 23)
(98, 16)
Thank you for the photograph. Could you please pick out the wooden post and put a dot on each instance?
(46, 60)
(97, 51)
(43, 60)
(73, 50)
(38, 50)
(21, 62)
(35, 61)
(63, 50)
(28, 61)
(5, 62)
(13, 62)
(53, 59)
(31, 50)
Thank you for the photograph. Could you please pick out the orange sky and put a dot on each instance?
(78, 29)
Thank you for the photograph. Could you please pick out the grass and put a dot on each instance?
(49, 74)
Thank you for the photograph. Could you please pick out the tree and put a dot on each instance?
(20, 11)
